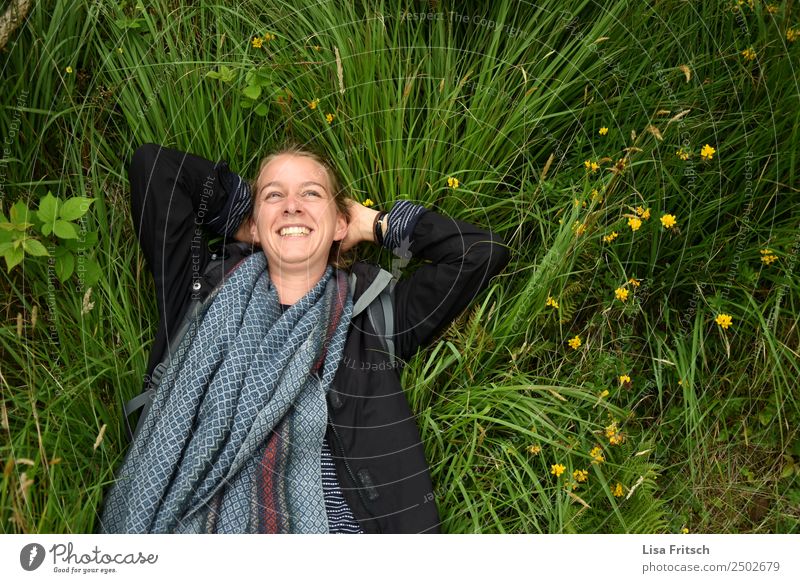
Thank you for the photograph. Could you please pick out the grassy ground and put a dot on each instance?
(509, 98)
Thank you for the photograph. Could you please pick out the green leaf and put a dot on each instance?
(64, 266)
(13, 257)
(75, 208)
(20, 214)
(252, 92)
(261, 109)
(47, 228)
(6, 246)
(65, 230)
(48, 209)
(35, 248)
(225, 74)
(92, 272)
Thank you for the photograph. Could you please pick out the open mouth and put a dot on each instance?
(294, 232)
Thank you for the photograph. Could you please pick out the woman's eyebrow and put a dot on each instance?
(280, 185)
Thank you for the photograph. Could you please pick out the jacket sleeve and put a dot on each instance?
(462, 259)
(173, 194)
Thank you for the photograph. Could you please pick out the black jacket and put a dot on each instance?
(380, 461)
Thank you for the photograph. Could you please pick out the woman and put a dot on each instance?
(280, 412)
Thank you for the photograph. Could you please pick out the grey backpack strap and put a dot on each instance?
(373, 291)
(387, 311)
(380, 312)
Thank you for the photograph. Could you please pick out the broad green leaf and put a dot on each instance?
(261, 109)
(48, 209)
(92, 272)
(252, 92)
(65, 230)
(75, 208)
(13, 257)
(61, 249)
(20, 213)
(35, 248)
(225, 74)
(64, 265)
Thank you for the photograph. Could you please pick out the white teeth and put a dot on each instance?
(294, 231)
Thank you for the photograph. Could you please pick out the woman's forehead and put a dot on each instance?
(292, 169)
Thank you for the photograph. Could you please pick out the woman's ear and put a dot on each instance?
(342, 226)
(253, 231)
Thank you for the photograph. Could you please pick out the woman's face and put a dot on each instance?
(296, 218)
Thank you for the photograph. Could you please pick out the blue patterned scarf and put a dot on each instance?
(233, 439)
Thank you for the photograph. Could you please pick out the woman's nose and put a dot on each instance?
(292, 205)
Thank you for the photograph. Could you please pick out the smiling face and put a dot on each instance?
(295, 216)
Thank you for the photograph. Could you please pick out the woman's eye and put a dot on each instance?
(311, 192)
(272, 194)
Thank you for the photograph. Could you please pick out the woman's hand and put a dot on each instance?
(361, 224)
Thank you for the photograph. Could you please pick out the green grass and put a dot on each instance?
(710, 418)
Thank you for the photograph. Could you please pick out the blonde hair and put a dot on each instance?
(340, 260)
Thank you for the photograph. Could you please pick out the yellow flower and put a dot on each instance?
(684, 530)
(580, 475)
(680, 382)
(597, 455)
(313, 104)
(634, 223)
(792, 35)
(749, 54)
(644, 213)
(551, 302)
(329, 117)
(257, 42)
(611, 237)
(452, 182)
(368, 203)
(707, 153)
(119, 50)
(68, 70)
(579, 228)
(596, 195)
(623, 378)
(668, 221)
(724, 320)
(617, 490)
(557, 469)
(682, 154)
(604, 393)
(621, 294)
(603, 131)
(268, 37)
(616, 439)
(613, 434)
(772, 8)
(593, 166)
(534, 449)
(575, 342)
(768, 259)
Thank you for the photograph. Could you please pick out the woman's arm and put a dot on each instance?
(463, 258)
(173, 195)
